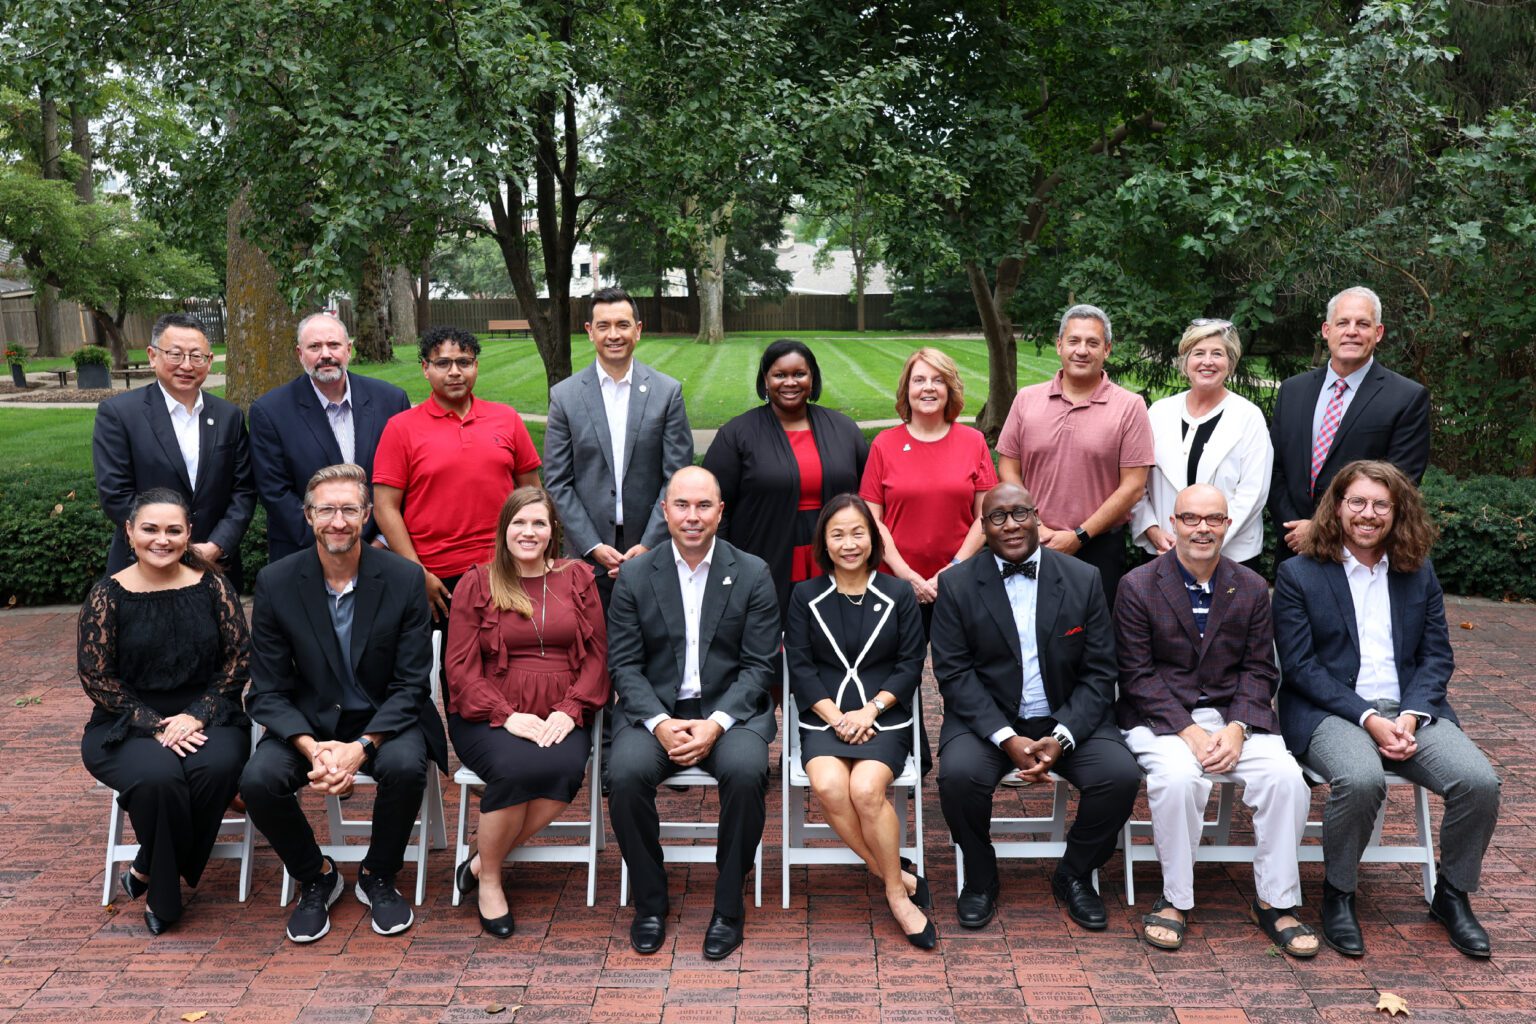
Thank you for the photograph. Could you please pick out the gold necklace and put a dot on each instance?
(538, 627)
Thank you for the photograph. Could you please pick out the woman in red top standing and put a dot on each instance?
(925, 479)
(527, 667)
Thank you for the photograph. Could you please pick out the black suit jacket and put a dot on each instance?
(738, 638)
(291, 438)
(133, 448)
(885, 652)
(1387, 419)
(296, 686)
(1319, 643)
(979, 664)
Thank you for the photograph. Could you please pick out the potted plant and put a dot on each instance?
(93, 368)
(16, 356)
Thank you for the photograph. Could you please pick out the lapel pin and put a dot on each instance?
(725, 582)
(906, 447)
(210, 421)
(875, 608)
(642, 389)
(1231, 590)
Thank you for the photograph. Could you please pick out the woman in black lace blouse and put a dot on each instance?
(165, 655)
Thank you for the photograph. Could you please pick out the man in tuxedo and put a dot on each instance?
(1197, 677)
(693, 635)
(324, 417)
(1350, 408)
(173, 434)
(1024, 655)
(340, 664)
(1366, 660)
(617, 432)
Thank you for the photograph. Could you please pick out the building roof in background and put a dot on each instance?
(799, 258)
(8, 286)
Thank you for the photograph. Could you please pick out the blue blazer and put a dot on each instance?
(1319, 644)
(291, 438)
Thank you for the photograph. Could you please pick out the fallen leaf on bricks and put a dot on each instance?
(1469, 625)
(1394, 1004)
(192, 1018)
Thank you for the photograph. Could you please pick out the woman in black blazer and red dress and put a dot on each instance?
(854, 643)
(779, 463)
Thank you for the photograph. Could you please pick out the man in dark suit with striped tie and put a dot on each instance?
(1350, 408)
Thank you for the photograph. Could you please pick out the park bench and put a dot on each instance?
(133, 373)
(509, 327)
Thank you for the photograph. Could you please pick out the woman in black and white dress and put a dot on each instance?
(854, 644)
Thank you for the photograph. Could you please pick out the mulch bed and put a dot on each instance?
(36, 393)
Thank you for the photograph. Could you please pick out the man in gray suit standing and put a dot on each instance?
(693, 638)
(617, 430)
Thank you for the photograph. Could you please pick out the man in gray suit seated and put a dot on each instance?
(693, 636)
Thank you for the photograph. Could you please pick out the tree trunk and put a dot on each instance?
(259, 331)
(371, 309)
(1002, 350)
(80, 144)
(858, 281)
(402, 308)
(45, 299)
(712, 281)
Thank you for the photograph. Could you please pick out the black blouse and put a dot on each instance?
(760, 481)
(145, 656)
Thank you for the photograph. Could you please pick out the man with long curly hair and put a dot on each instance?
(1366, 660)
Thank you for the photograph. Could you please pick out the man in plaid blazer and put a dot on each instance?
(1197, 675)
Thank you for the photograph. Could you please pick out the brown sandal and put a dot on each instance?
(1266, 918)
(1172, 924)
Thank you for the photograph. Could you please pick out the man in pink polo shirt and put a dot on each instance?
(443, 469)
(1081, 444)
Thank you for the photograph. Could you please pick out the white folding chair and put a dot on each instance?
(1220, 849)
(1030, 837)
(1421, 852)
(798, 831)
(694, 853)
(429, 829)
(589, 833)
(121, 852)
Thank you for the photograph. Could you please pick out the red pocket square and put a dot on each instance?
(1074, 629)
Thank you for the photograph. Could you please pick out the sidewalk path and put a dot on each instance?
(834, 955)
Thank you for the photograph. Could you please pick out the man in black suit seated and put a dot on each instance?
(323, 417)
(1350, 408)
(1024, 655)
(173, 434)
(340, 663)
(693, 633)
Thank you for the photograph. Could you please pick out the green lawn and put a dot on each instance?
(859, 374)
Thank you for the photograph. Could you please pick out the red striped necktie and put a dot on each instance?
(1330, 426)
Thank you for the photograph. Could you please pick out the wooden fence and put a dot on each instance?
(18, 322)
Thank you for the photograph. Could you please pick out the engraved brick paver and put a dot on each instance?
(833, 956)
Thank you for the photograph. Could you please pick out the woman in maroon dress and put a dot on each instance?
(527, 667)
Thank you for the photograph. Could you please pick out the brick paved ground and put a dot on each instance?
(834, 955)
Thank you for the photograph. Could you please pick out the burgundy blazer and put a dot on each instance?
(1165, 664)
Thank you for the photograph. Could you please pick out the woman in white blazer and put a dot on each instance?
(1207, 435)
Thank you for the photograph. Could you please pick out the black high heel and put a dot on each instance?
(500, 927)
(133, 886)
(925, 939)
(465, 880)
(922, 896)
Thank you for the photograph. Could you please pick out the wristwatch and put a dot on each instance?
(1247, 729)
(366, 743)
(880, 705)
(1082, 535)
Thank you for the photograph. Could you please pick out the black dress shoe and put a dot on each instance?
(133, 888)
(1452, 909)
(976, 909)
(925, 939)
(1341, 929)
(1083, 903)
(647, 932)
(722, 937)
(465, 880)
(501, 927)
(922, 896)
(155, 925)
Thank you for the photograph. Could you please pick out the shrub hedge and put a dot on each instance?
(53, 537)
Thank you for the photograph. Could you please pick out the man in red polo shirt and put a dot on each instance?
(443, 469)
(1081, 444)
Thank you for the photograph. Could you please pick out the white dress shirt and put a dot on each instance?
(340, 416)
(1373, 622)
(692, 583)
(616, 403)
(1023, 595)
(184, 423)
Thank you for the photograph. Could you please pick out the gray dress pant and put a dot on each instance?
(1446, 763)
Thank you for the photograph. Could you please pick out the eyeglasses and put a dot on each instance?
(324, 513)
(176, 356)
(1019, 514)
(1213, 520)
(1381, 506)
(464, 363)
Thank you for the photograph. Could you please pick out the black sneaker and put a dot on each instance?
(311, 919)
(390, 912)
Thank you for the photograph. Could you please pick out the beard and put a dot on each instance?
(328, 373)
(334, 547)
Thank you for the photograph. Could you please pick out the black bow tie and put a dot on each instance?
(1025, 567)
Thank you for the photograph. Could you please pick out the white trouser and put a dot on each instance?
(1177, 792)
